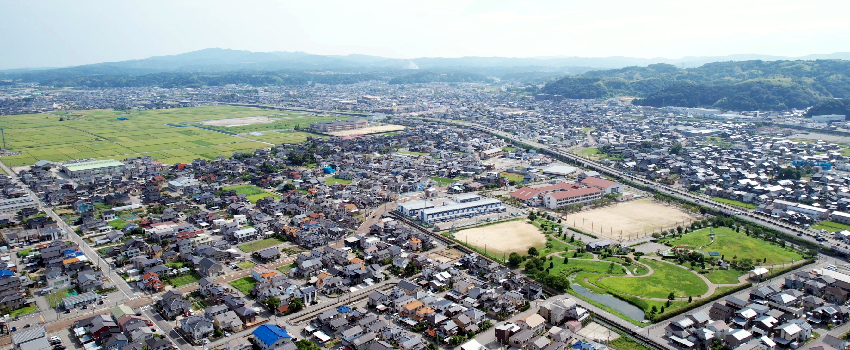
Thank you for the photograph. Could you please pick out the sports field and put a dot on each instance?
(100, 134)
(507, 237)
(634, 219)
(730, 244)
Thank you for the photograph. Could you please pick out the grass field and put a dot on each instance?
(257, 245)
(178, 282)
(830, 226)
(666, 278)
(724, 276)
(333, 181)
(99, 134)
(245, 265)
(286, 268)
(734, 202)
(732, 244)
(118, 224)
(442, 180)
(244, 284)
(513, 177)
(625, 343)
(253, 193)
(23, 311)
(589, 152)
(603, 267)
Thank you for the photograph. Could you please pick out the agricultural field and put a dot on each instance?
(264, 120)
(100, 134)
(730, 244)
(278, 137)
(253, 193)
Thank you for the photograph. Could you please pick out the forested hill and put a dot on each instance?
(747, 85)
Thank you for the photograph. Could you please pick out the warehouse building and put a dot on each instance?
(93, 168)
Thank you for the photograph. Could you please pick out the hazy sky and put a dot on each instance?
(64, 33)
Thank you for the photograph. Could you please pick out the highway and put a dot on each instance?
(702, 199)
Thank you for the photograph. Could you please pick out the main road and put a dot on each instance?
(71, 234)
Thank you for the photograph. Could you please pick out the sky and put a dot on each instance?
(58, 33)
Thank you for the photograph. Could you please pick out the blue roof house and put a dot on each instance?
(272, 337)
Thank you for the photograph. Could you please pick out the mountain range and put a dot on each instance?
(220, 60)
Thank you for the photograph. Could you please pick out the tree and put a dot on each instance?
(305, 344)
(671, 296)
(566, 260)
(690, 299)
(551, 264)
(296, 304)
(514, 259)
(676, 148)
(273, 303)
(288, 187)
(532, 251)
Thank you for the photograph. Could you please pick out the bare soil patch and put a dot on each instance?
(369, 130)
(239, 121)
(507, 237)
(634, 219)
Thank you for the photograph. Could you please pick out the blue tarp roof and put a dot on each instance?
(577, 345)
(4, 273)
(343, 309)
(270, 334)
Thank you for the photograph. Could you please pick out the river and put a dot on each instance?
(609, 300)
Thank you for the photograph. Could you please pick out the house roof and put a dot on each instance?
(270, 334)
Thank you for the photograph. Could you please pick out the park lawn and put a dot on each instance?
(23, 311)
(180, 281)
(246, 265)
(257, 245)
(557, 246)
(731, 244)
(118, 224)
(244, 284)
(666, 278)
(332, 181)
(734, 202)
(724, 276)
(513, 177)
(638, 270)
(830, 226)
(601, 267)
(575, 254)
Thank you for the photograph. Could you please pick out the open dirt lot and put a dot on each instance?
(369, 130)
(238, 121)
(635, 219)
(512, 236)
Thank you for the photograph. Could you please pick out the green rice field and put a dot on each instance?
(99, 134)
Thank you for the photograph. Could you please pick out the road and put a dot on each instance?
(69, 233)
